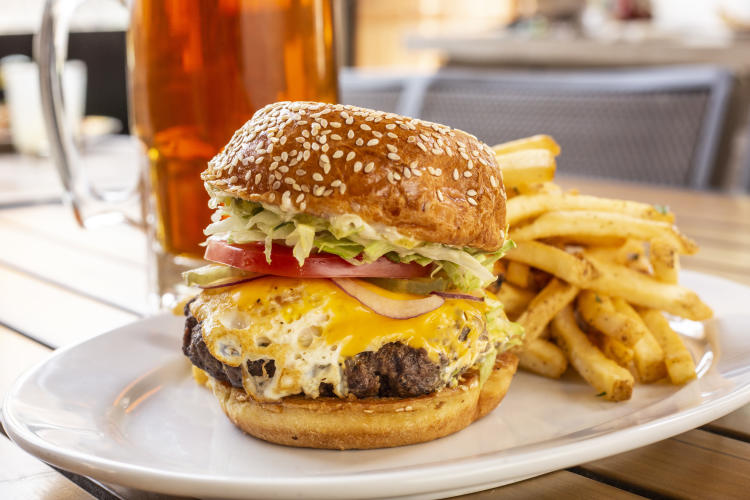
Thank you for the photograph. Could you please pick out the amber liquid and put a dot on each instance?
(198, 70)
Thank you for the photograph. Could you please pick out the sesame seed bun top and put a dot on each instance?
(426, 180)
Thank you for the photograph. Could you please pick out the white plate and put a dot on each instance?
(122, 408)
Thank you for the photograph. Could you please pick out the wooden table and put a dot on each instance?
(49, 297)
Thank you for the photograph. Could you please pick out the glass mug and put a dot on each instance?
(197, 70)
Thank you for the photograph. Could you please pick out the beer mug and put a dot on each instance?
(197, 70)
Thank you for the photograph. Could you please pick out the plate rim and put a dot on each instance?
(462, 476)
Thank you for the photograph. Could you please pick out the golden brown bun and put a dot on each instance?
(429, 181)
(366, 423)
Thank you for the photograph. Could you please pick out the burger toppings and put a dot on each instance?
(311, 329)
(356, 242)
(381, 303)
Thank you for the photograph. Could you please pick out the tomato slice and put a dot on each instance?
(250, 256)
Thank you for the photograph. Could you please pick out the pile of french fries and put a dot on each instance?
(591, 279)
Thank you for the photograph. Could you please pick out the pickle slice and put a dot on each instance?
(415, 286)
(213, 274)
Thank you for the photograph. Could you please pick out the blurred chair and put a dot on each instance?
(658, 125)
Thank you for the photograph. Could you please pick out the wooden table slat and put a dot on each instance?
(24, 476)
(17, 354)
(560, 485)
(696, 464)
(51, 313)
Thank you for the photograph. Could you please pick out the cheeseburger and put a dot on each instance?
(346, 308)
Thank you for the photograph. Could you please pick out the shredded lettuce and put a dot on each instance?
(349, 237)
(503, 333)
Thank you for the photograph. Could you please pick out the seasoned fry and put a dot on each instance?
(613, 349)
(573, 268)
(556, 295)
(614, 382)
(631, 254)
(609, 224)
(514, 299)
(680, 364)
(648, 356)
(536, 188)
(518, 274)
(543, 358)
(643, 290)
(527, 167)
(540, 141)
(598, 311)
(665, 260)
(524, 207)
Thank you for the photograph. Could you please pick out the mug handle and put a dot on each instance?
(90, 205)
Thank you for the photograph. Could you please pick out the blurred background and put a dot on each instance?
(653, 91)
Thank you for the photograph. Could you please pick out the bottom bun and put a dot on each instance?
(334, 423)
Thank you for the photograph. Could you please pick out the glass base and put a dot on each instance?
(166, 286)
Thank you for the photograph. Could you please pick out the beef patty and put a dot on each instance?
(394, 370)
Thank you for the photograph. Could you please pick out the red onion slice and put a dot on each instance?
(391, 308)
(232, 280)
(460, 296)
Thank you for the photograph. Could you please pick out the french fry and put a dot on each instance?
(536, 188)
(570, 224)
(642, 290)
(521, 208)
(514, 299)
(543, 358)
(613, 349)
(527, 167)
(553, 297)
(598, 311)
(518, 274)
(680, 364)
(648, 356)
(631, 254)
(540, 141)
(573, 268)
(665, 260)
(612, 381)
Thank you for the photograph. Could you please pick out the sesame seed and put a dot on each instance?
(349, 120)
(282, 141)
(336, 137)
(271, 196)
(303, 205)
(416, 172)
(288, 180)
(327, 192)
(317, 177)
(467, 173)
(369, 167)
(365, 126)
(440, 195)
(471, 192)
(296, 187)
(306, 145)
(338, 154)
(464, 155)
(278, 175)
(350, 156)
(342, 188)
(390, 126)
(300, 172)
(257, 178)
(324, 122)
(305, 188)
(315, 146)
(300, 139)
(396, 176)
(407, 172)
(276, 185)
(299, 198)
(493, 181)
(335, 124)
(357, 166)
(284, 156)
(350, 134)
(324, 148)
(305, 134)
(377, 134)
(392, 135)
(259, 160)
(283, 169)
(421, 146)
(475, 153)
(470, 164)
(391, 148)
(437, 151)
(306, 155)
(359, 142)
(285, 198)
(393, 156)
(318, 190)
(270, 149)
(424, 138)
(389, 175)
(322, 139)
(472, 201)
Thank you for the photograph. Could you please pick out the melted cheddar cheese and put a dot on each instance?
(309, 327)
